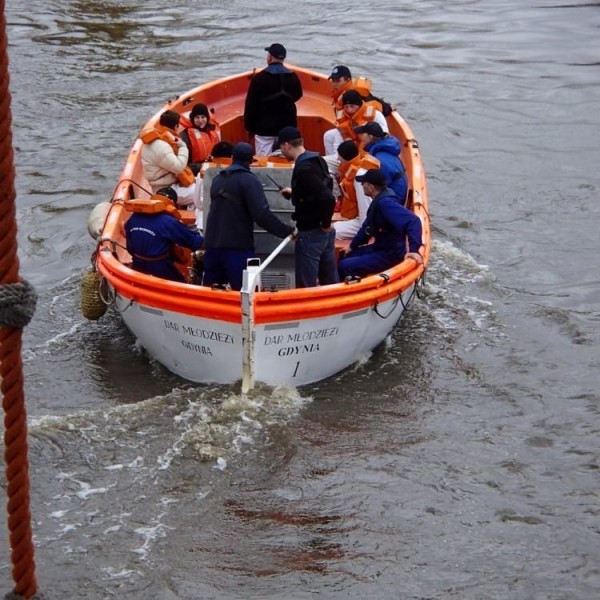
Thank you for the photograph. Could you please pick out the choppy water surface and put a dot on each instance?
(461, 460)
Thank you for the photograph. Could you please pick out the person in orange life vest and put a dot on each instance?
(357, 112)
(341, 81)
(150, 238)
(385, 148)
(391, 226)
(165, 159)
(355, 202)
(200, 137)
(271, 100)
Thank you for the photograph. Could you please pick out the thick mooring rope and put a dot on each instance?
(15, 294)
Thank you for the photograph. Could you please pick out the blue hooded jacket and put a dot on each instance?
(387, 150)
(391, 225)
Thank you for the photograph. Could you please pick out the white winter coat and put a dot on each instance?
(161, 164)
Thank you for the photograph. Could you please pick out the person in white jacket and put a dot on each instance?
(165, 159)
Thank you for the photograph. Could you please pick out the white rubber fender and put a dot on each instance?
(97, 219)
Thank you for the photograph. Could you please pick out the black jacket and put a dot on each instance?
(270, 102)
(312, 193)
(237, 200)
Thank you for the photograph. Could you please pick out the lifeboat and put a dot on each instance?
(268, 332)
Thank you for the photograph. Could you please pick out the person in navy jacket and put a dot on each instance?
(386, 149)
(393, 227)
(151, 237)
(237, 201)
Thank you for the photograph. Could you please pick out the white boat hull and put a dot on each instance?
(286, 353)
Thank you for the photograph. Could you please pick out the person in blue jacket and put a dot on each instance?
(237, 201)
(385, 148)
(150, 239)
(393, 227)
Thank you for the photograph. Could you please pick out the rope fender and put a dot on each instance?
(17, 304)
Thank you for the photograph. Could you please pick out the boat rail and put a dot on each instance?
(250, 282)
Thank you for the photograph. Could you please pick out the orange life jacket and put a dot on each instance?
(153, 205)
(362, 85)
(160, 132)
(219, 162)
(202, 143)
(159, 204)
(363, 115)
(347, 171)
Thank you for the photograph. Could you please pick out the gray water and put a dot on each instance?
(461, 461)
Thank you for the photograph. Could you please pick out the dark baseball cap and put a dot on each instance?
(374, 176)
(277, 51)
(168, 192)
(372, 128)
(287, 134)
(340, 71)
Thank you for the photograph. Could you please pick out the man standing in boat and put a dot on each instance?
(314, 203)
(390, 224)
(271, 100)
(237, 201)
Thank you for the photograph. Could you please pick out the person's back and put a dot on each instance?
(237, 202)
(271, 100)
(150, 236)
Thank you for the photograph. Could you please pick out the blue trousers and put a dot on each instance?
(315, 258)
(225, 265)
(367, 261)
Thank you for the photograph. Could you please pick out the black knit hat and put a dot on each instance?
(222, 150)
(352, 97)
(348, 150)
(199, 109)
